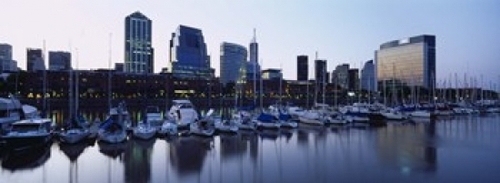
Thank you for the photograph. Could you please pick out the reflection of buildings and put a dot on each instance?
(187, 154)
(138, 160)
(407, 148)
(232, 146)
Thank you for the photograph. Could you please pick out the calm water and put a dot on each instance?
(457, 149)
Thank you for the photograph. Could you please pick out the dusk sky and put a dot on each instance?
(467, 31)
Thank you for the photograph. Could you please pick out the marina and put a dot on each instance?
(445, 149)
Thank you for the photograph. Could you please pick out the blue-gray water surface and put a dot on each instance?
(453, 149)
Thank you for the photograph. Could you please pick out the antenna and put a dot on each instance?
(254, 36)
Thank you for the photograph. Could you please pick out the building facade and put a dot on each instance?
(188, 54)
(59, 61)
(34, 60)
(232, 63)
(6, 62)
(353, 79)
(139, 53)
(320, 71)
(368, 77)
(272, 74)
(340, 76)
(302, 68)
(410, 61)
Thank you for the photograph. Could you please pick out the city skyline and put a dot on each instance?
(340, 32)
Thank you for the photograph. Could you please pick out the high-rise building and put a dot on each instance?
(59, 61)
(232, 63)
(253, 67)
(302, 68)
(6, 62)
(353, 79)
(320, 71)
(410, 61)
(368, 77)
(340, 76)
(188, 54)
(139, 53)
(34, 60)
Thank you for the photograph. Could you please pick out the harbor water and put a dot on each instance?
(450, 149)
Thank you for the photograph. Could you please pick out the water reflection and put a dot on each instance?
(187, 154)
(400, 152)
(138, 160)
(408, 147)
(26, 160)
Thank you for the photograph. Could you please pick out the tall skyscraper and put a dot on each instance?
(368, 77)
(232, 63)
(6, 62)
(410, 61)
(34, 60)
(353, 79)
(253, 67)
(59, 61)
(139, 54)
(188, 54)
(302, 68)
(340, 76)
(320, 71)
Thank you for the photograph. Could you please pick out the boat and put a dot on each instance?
(226, 126)
(183, 113)
(28, 133)
(76, 131)
(144, 131)
(204, 127)
(392, 114)
(244, 121)
(153, 117)
(114, 129)
(10, 112)
(312, 117)
(284, 118)
(168, 128)
(267, 121)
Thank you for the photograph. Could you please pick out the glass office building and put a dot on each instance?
(302, 68)
(232, 63)
(410, 61)
(188, 54)
(139, 53)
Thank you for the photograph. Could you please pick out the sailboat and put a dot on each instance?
(113, 129)
(77, 127)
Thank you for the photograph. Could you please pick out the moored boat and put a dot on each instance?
(28, 133)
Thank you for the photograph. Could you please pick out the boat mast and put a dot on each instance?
(109, 73)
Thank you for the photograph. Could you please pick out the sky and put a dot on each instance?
(467, 31)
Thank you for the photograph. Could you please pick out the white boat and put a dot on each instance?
(284, 118)
(391, 114)
(10, 112)
(74, 135)
(312, 117)
(203, 127)
(114, 129)
(337, 119)
(28, 133)
(153, 117)
(144, 131)
(168, 128)
(420, 114)
(244, 121)
(226, 126)
(183, 113)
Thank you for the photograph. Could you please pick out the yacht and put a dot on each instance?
(10, 112)
(203, 127)
(183, 113)
(144, 131)
(28, 133)
(113, 129)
